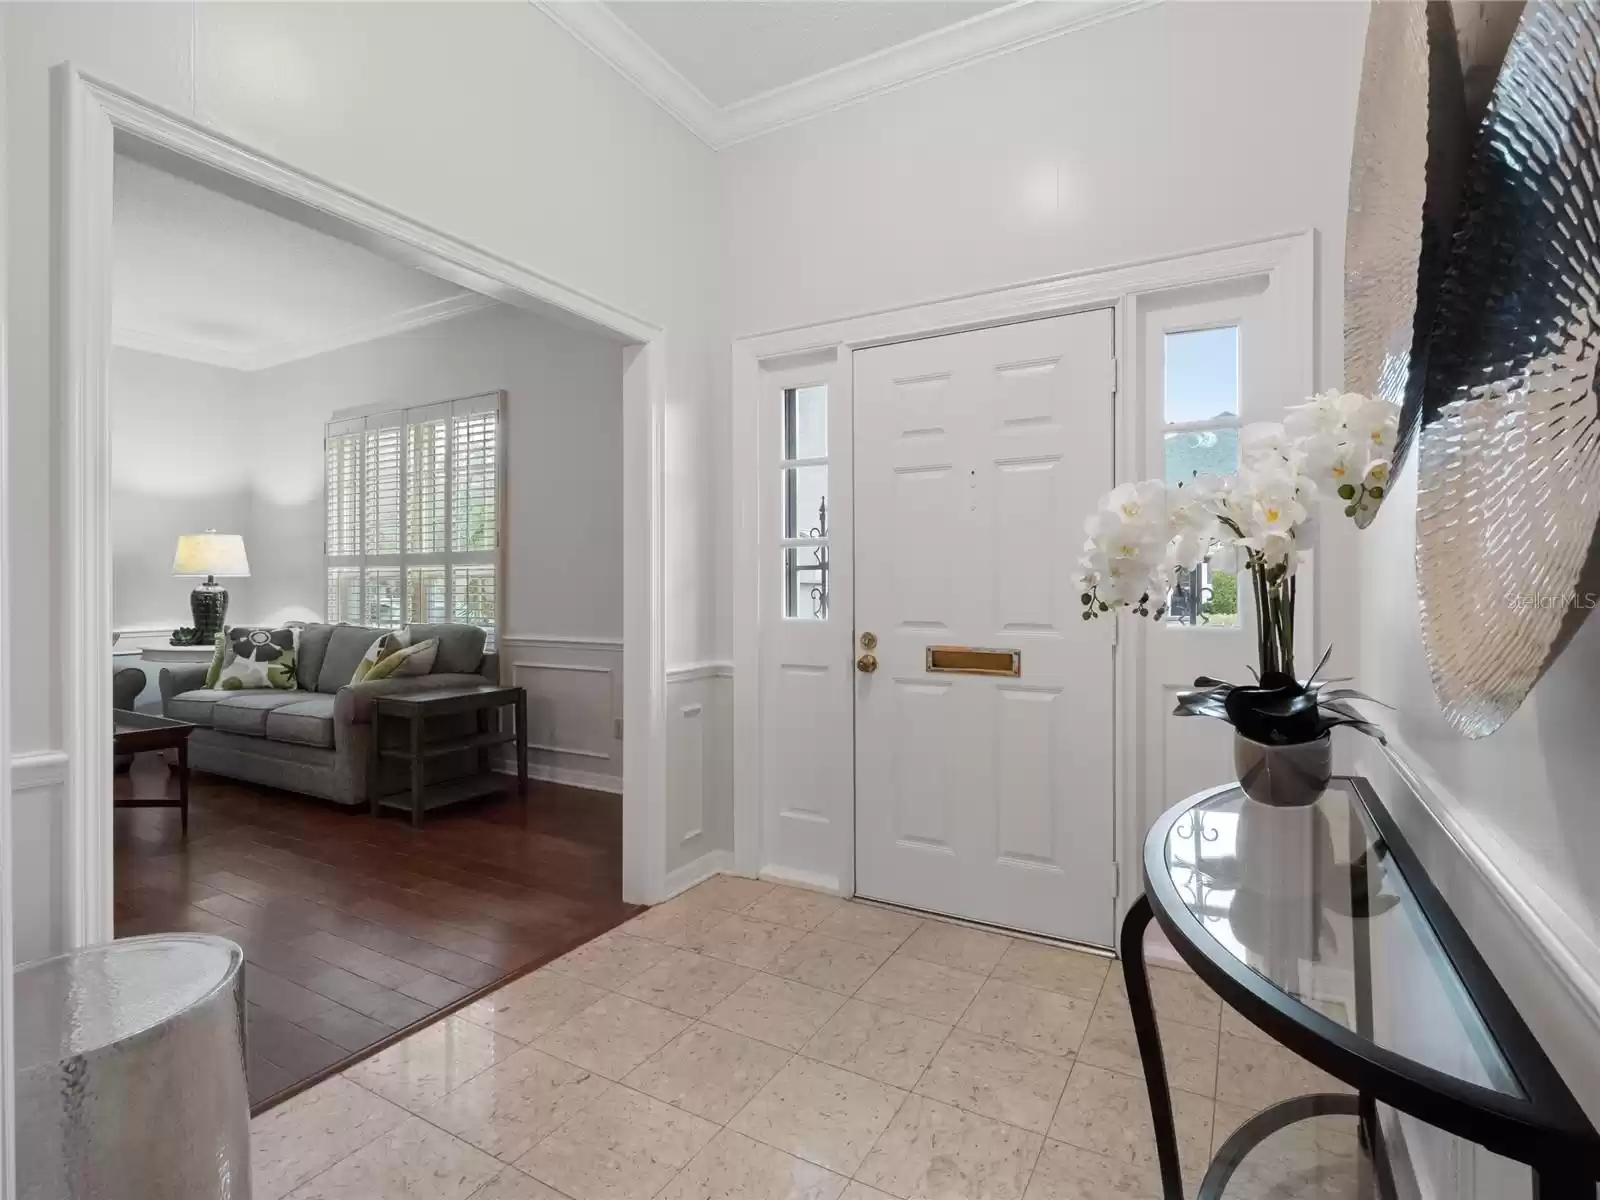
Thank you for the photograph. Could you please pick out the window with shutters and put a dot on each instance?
(414, 516)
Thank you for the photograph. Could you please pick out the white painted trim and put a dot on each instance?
(609, 37)
(592, 781)
(446, 308)
(91, 114)
(8, 1108)
(712, 862)
(690, 672)
(38, 769)
(1289, 258)
(352, 216)
(561, 643)
(82, 345)
(806, 879)
(1571, 952)
(999, 31)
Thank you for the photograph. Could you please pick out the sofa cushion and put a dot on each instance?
(346, 646)
(308, 723)
(460, 647)
(246, 712)
(195, 706)
(313, 645)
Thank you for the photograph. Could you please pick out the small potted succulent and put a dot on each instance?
(1336, 444)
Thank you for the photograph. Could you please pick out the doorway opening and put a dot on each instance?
(354, 407)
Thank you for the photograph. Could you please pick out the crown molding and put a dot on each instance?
(999, 31)
(610, 37)
(444, 309)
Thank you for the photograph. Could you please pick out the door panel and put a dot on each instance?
(977, 457)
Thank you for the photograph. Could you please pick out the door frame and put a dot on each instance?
(92, 120)
(1289, 260)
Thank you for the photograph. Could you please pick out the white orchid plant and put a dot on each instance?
(1337, 444)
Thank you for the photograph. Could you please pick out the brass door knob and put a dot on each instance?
(867, 663)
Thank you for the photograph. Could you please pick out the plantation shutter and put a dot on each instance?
(414, 513)
(475, 473)
(381, 515)
(342, 450)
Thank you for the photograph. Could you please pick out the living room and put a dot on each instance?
(322, 451)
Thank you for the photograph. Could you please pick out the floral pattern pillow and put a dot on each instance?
(258, 658)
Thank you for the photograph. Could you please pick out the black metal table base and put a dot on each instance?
(1250, 1134)
(1549, 1182)
(1262, 1126)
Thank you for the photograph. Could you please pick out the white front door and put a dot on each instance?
(977, 457)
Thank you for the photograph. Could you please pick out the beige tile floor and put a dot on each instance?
(746, 1041)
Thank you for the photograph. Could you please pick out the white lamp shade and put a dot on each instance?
(210, 554)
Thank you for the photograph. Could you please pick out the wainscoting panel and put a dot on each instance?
(574, 707)
(38, 829)
(699, 769)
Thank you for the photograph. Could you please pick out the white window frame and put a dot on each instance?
(359, 422)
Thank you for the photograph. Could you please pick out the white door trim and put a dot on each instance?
(1289, 259)
(92, 118)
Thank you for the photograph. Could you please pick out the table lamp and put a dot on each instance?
(210, 554)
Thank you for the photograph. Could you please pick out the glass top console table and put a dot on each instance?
(1320, 926)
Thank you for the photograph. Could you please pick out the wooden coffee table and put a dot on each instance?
(135, 733)
(416, 709)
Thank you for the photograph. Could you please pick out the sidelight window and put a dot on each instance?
(804, 471)
(1200, 402)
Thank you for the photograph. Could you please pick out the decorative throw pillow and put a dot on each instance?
(214, 671)
(408, 660)
(385, 645)
(258, 658)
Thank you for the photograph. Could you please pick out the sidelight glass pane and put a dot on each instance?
(805, 422)
(805, 502)
(1200, 452)
(805, 583)
(1202, 374)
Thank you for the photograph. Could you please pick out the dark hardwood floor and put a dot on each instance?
(356, 928)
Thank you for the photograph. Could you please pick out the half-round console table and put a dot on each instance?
(1320, 926)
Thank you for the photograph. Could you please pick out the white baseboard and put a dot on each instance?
(590, 780)
(712, 862)
(805, 879)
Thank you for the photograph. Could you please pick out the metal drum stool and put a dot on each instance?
(130, 1078)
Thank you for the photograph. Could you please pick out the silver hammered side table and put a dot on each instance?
(131, 1072)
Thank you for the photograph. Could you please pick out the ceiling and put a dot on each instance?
(730, 52)
(202, 276)
(731, 71)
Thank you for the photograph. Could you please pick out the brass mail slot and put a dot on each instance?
(974, 660)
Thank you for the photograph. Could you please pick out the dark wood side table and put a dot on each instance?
(1320, 926)
(135, 733)
(417, 709)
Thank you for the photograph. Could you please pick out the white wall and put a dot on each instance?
(183, 460)
(484, 120)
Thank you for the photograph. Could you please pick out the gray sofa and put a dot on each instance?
(317, 740)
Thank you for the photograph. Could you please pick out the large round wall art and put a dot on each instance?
(1508, 468)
